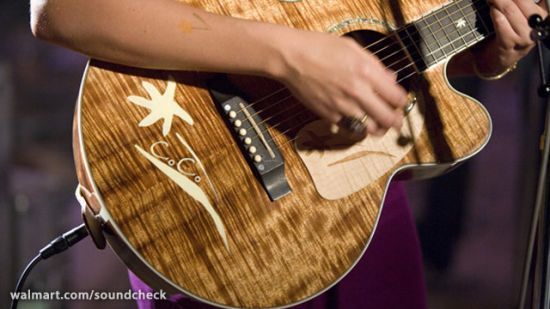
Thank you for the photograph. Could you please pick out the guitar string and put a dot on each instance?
(303, 109)
(306, 121)
(389, 66)
(440, 48)
(290, 96)
(295, 105)
(394, 42)
(310, 119)
(295, 126)
(397, 62)
(402, 69)
(287, 143)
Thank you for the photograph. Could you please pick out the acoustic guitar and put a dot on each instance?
(225, 188)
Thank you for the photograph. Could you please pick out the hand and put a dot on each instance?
(513, 35)
(335, 77)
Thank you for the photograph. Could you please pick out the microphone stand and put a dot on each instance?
(536, 274)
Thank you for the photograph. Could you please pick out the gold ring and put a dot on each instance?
(364, 119)
(352, 124)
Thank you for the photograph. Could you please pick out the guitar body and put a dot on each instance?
(181, 205)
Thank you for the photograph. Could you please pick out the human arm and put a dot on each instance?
(166, 34)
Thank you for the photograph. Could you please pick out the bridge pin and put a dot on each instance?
(257, 158)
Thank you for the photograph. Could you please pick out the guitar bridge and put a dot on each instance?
(255, 142)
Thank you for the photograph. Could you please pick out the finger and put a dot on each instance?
(348, 108)
(380, 111)
(373, 65)
(529, 8)
(385, 84)
(318, 105)
(390, 91)
(369, 101)
(380, 132)
(505, 34)
(376, 71)
(372, 128)
(514, 16)
(323, 111)
(385, 87)
(544, 6)
(331, 115)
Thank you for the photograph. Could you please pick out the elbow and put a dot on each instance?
(39, 19)
(37, 30)
(41, 23)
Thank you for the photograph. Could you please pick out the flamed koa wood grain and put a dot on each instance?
(279, 252)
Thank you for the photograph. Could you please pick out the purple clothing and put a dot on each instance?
(389, 275)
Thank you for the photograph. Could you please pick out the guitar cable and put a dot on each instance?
(58, 245)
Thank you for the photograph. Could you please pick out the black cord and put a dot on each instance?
(22, 279)
(56, 246)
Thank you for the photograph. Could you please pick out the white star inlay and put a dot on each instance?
(162, 106)
(461, 23)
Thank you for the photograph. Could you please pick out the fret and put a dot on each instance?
(459, 21)
(436, 29)
(469, 14)
(395, 59)
(430, 45)
(445, 32)
(470, 18)
(448, 30)
(439, 52)
(400, 60)
(483, 15)
(410, 39)
(443, 37)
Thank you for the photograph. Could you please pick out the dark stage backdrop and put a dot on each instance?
(472, 222)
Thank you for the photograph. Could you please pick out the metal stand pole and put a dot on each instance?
(542, 198)
(7, 211)
(539, 220)
(540, 228)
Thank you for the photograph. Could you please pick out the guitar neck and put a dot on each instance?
(447, 31)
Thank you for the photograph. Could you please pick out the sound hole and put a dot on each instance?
(286, 116)
(388, 49)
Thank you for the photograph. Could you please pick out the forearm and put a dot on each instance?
(166, 34)
(161, 34)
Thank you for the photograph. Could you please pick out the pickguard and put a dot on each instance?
(340, 166)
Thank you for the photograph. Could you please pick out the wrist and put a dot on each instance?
(494, 75)
(491, 63)
(268, 56)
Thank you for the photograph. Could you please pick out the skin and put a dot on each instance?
(511, 43)
(129, 32)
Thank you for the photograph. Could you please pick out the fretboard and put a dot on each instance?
(446, 31)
